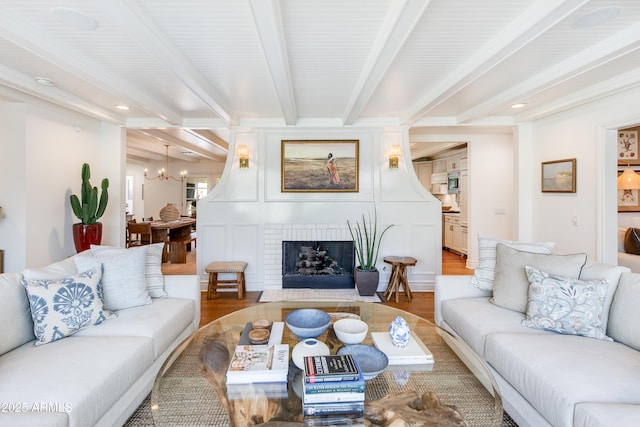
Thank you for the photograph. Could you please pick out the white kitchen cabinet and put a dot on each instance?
(463, 197)
(453, 164)
(452, 232)
(439, 166)
(464, 239)
(423, 172)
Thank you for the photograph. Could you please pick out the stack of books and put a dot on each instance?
(332, 386)
(259, 364)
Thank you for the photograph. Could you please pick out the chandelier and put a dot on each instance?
(163, 174)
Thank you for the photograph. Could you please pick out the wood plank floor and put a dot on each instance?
(225, 303)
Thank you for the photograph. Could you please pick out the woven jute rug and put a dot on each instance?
(192, 403)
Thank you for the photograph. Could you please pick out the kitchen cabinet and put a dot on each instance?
(423, 172)
(453, 164)
(452, 232)
(439, 166)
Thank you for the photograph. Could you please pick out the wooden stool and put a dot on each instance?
(226, 267)
(398, 277)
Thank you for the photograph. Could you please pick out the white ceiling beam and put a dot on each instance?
(268, 20)
(618, 84)
(168, 136)
(624, 42)
(136, 23)
(30, 38)
(400, 20)
(538, 18)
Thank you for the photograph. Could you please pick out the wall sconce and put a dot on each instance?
(394, 154)
(629, 180)
(243, 156)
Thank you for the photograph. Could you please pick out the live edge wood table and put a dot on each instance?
(398, 277)
(190, 388)
(166, 231)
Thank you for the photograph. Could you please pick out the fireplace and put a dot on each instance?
(318, 264)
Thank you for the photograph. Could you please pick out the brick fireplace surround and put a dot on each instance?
(275, 234)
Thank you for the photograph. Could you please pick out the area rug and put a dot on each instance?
(315, 295)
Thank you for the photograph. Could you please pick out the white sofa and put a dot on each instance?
(97, 376)
(547, 378)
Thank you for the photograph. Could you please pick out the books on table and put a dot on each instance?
(259, 364)
(335, 367)
(415, 352)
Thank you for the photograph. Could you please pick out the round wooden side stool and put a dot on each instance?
(226, 267)
(398, 277)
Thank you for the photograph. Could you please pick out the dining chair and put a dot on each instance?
(138, 234)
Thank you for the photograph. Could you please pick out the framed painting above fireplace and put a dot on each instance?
(319, 166)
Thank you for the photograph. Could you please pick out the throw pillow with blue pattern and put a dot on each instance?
(565, 305)
(61, 307)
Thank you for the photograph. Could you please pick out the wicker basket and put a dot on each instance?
(169, 213)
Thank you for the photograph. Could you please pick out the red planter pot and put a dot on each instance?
(85, 235)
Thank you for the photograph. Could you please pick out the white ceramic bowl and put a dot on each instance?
(350, 331)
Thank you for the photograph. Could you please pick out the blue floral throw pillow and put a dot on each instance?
(565, 305)
(61, 307)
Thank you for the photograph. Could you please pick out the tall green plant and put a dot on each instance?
(366, 240)
(91, 209)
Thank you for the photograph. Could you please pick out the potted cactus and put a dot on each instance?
(89, 208)
(367, 245)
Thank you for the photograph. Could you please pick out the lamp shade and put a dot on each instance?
(629, 180)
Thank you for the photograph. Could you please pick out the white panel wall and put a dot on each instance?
(241, 219)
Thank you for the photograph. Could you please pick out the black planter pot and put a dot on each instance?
(366, 281)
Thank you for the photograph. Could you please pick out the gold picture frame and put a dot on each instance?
(559, 176)
(319, 166)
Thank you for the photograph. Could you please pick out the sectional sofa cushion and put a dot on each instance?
(154, 279)
(624, 319)
(62, 307)
(14, 312)
(610, 273)
(511, 287)
(549, 371)
(601, 414)
(123, 278)
(483, 274)
(566, 305)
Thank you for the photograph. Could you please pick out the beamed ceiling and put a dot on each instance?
(190, 70)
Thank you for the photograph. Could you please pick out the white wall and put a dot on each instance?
(580, 134)
(45, 149)
(232, 218)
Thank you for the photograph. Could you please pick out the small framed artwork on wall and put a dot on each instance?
(628, 147)
(629, 200)
(559, 176)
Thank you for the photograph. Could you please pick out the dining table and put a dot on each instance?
(171, 231)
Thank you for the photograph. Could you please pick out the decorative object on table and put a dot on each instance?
(559, 176)
(169, 213)
(308, 347)
(307, 322)
(275, 329)
(350, 331)
(370, 360)
(89, 208)
(367, 245)
(399, 332)
(407, 407)
(258, 364)
(330, 368)
(259, 336)
(414, 353)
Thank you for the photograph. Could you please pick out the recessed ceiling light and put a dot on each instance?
(122, 107)
(597, 17)
(74, 18)
(520, 105)
(44, 81)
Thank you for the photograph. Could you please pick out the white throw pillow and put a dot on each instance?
(62, 307)
(511, 286)
(565, 305)
(123, 278)
(153, 265)
(484, 273)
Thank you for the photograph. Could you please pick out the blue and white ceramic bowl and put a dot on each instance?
(371, 360)
(307, 322)
(400, 332)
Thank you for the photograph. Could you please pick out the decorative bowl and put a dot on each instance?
(308, 347)
(371, 360)
(307, 322)
(350, 331)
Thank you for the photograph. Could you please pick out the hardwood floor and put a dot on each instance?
(225, 303)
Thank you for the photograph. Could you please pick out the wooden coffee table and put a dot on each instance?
(191, 389)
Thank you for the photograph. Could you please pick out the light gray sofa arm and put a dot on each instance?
(453, 287)
(187, 287)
